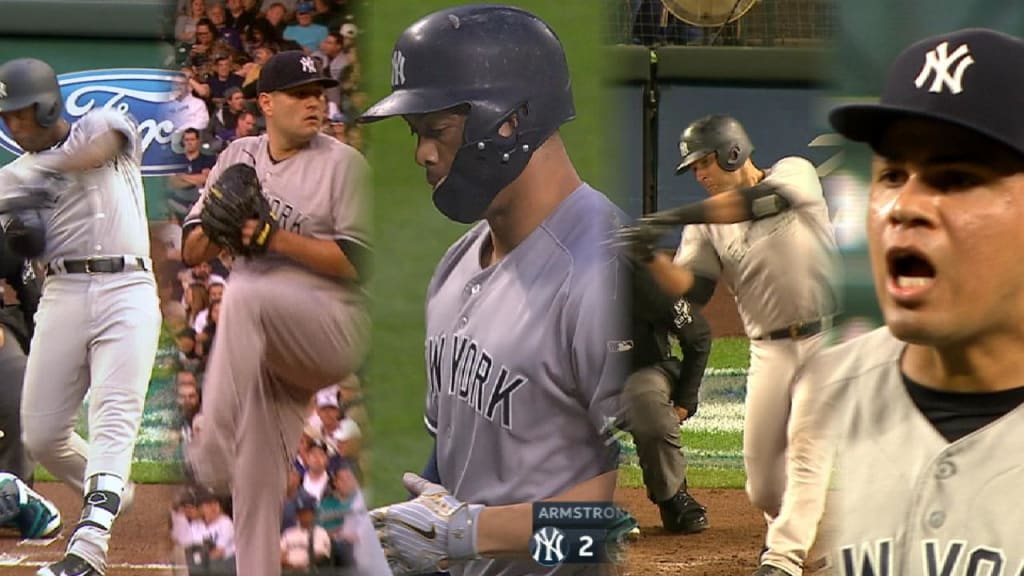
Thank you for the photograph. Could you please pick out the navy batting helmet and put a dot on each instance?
(719, 134)
(500, 61)
(26, 82)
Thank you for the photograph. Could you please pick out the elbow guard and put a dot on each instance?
(763, 201)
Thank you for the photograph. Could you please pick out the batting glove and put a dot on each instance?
(435, 527)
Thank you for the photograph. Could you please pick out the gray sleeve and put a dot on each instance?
(697, 253)
(796, 180)
(352, 207)
(98, 122)
(601, 342)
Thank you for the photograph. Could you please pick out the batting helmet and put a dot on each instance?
(500, 61)
(26, 82)
(719, 134)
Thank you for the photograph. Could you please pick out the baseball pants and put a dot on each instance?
(655, 427)
(283, 334)
(98, 334)
(13, 456)
(774, 366)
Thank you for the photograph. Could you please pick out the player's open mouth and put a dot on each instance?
(910, 271)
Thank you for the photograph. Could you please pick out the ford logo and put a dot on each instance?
(141, 92)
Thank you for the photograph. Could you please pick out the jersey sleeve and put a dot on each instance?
(697, 253)
(796, 179)
(99, 122)
(601, 344)
(352, 215)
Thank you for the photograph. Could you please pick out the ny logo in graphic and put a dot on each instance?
(546, 546)
(397, 69)
(938, 61)
(308, 65)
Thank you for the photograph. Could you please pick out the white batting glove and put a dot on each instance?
(428, 533)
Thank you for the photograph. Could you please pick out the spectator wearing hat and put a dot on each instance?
(216, 537)
(304, 537)
(340, 434)
(304, 31)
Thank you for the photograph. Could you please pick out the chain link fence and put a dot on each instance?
(764, 23)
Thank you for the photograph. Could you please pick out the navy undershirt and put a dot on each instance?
(957, 414)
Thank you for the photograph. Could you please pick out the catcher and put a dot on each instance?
(293, 203)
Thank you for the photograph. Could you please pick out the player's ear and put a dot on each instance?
(509, 126)
(266, 104)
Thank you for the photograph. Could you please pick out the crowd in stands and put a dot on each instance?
(221, 48)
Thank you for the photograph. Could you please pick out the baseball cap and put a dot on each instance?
(291, 69)
(304, 8)
(349, 30)
(968, 78)
(327, 397)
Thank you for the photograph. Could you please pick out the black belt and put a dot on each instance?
(798, 330)
(99, 265)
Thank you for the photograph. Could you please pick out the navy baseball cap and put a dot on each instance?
(291, 69)
(969, 78)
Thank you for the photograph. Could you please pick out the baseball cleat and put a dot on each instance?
(768, 570)
(71, 565)
(683, 514)
(36, 517)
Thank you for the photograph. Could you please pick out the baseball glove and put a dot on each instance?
(435, 527)
(233, 199)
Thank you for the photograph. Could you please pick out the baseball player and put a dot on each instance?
(923, 415)
(99, 318)
(524, 346)
(294, 319)
(767, 234)
(662, 392)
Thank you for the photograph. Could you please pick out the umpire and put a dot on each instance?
(661, 393)
(16, 328)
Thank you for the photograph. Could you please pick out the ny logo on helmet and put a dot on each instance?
(3, 90)
(397, 69)
(938, 60)
(308, 66)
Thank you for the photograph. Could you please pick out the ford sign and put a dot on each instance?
(141, 92)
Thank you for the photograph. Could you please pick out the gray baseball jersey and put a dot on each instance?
(525, 362)
(95, 333)
(907, 501)
(782, 269)
(320, 192)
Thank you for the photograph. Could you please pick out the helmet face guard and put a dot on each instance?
(29, 82)
(715, 134)
(502, 62)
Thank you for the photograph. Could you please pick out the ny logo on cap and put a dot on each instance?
(938, 60)
(3, 90)
(683, 150)
(308, 66)
(397, 69)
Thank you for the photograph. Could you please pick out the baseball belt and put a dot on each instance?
(99, 265)
(799, 330)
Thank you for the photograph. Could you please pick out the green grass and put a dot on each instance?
(729, 353)
(412, 236)
(142, 473)
(629, 477)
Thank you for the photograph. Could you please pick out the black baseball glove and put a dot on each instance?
(233, 199)
(22, 210)
(638, 241)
